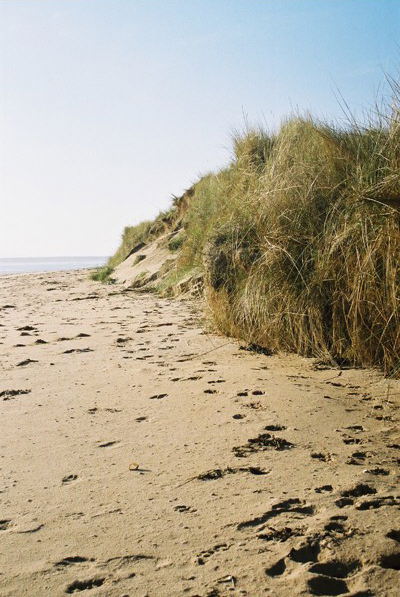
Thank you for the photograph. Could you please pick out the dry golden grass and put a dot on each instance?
(299, 240)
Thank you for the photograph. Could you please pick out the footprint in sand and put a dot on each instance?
(335, 527)
(323, 488)
(325, 585)
(276, 569)
(342, 502)
(358, 490)
(307, 551)
(26, 362)
(70, 560)
(71, 350)
(280, 535)
(321, 456)
(203, 556)
(390, 561)
(357, 458)
(108, 444)
(84, 585)
(377, 471)
(331, 576)
(29, 530)
(291, 505)
(122, 341)
(11, 394)
(68, 479)
(262, 442)
(352, 440)
(379, 502)
(5, 523)
(394, 534)
(184, 509)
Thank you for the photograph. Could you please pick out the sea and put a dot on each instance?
(28, 265)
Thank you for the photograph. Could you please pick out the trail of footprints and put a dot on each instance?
(328, 574)
(116, 568)
(285, 523)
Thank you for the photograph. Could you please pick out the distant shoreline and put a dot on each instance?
(41, 273)
(29, 265)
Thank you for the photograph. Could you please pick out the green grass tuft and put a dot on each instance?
(103, 274)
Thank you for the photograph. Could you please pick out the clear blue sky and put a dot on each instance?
(108, 107)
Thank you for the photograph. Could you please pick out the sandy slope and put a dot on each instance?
(146, 385)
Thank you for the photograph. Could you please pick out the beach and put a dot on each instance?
(143, 455)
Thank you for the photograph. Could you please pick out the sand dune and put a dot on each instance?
(142, 455)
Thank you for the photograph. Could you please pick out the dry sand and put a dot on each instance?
(95, 379)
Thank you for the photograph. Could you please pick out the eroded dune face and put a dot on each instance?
(142, 455)
(145, 263)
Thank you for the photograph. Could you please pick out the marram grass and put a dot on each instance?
(299, 240)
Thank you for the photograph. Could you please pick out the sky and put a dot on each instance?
(110, 107)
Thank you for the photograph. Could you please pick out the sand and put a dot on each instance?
(141, 455)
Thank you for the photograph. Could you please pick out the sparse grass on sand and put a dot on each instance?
(102, 274)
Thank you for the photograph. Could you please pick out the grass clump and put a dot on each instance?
(298, 239)
(103, 274)
(176, 242)
(132, 236)
(135, 237)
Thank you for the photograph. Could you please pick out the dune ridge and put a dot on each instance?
(295, 244)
